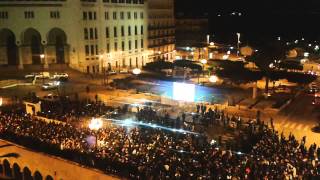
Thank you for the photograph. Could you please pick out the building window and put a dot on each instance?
(115, 46)
(4, 15)
(114, 15)
(91, 33)
(108, 48)
(28, 14)
(141, 30)
(90, 15)
(129, 43)
(54, 14)
(142, 44)
(135, 30)
(107, 32)
(124, 62)
(136, 44)
(122, 15)
(122, 31)
(122, 45)
(141, 15)
(137, 65)
(85, 33)
(135, 15)
(94, 15)
(97, 50)
(87, 50)
(115, 34)
(142, 61)
(129, 30)
(95, 33)
(130, 63)
(129, 15)
(85, 15)
(106, 15)
(92, 50)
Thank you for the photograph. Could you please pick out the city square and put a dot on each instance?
(149, 89)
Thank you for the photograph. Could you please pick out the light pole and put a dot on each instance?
(42, 60)
(238, 43)
(203, 62)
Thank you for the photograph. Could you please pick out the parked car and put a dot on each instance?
(313, 89)
(59, 75)
(43, 75)
(31, 75)
(124, 71)
(111, 72)
(51, 85)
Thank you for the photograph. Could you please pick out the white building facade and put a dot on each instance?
(88, 35)
(161, 30)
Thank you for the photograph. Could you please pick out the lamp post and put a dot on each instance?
(238, 43)
(96, 124)
(43, 67)
(203, 62)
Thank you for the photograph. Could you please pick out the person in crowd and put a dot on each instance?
(142, 152)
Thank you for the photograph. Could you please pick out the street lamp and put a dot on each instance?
(136, 71)
(213, 79)
(203, 62)
(96, 124)
(42, 60)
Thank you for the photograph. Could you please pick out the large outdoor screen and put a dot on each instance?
(183, 92)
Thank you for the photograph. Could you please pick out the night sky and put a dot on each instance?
(262, 19)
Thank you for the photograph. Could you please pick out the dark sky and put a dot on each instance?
(259, 19)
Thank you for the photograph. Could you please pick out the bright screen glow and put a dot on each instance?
(183, 92)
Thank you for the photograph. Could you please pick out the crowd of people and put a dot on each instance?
(141, 152)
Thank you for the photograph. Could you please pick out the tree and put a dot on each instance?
(268, 52)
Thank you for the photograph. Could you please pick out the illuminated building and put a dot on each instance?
(88, 35)
(161, 30)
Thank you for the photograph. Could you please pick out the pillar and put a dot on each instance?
(20, 62)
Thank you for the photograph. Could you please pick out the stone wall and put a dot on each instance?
(49, 165)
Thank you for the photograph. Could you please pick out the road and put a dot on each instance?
(299, 117)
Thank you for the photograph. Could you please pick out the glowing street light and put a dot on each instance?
(136, 71)
(203, 61)
(213, 79)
